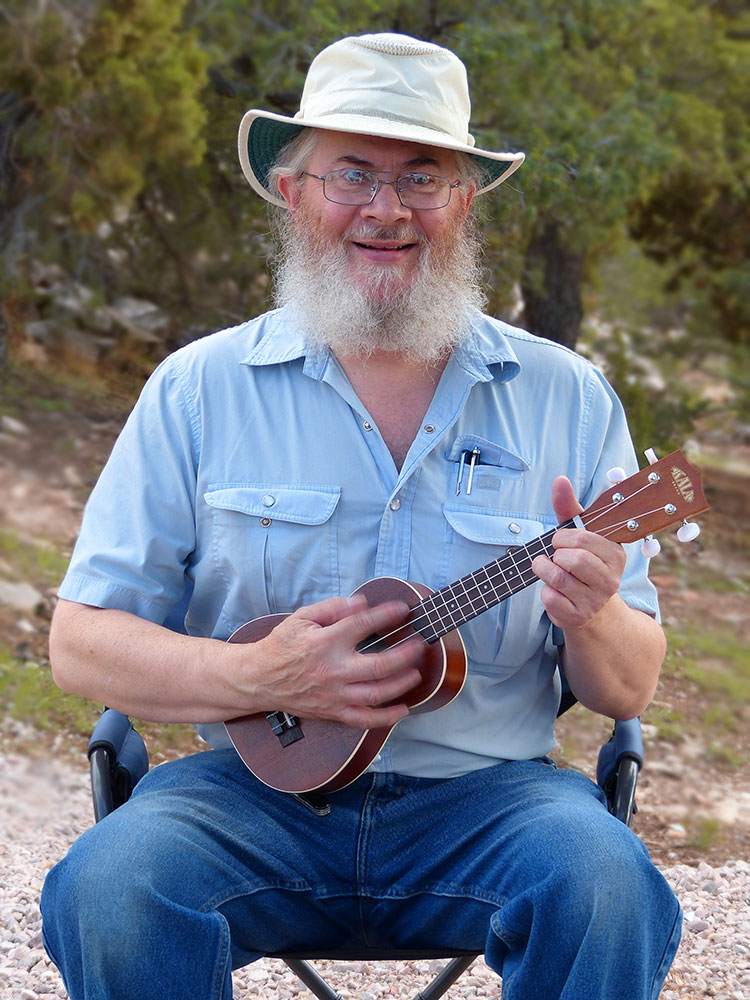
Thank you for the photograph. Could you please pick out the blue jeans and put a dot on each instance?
(205, 869)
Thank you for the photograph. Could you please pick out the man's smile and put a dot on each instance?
(385, 250)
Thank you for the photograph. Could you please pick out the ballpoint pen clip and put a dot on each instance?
(473, 459)
(460, 476)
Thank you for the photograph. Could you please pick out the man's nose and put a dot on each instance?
(386, 206)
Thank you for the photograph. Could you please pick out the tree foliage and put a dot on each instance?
(118, 127)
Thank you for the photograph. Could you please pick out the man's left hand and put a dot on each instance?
(585, 569)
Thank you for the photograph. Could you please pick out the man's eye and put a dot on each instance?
(420, 180)
(356, 178)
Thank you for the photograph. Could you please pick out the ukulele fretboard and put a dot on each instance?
(476, 592)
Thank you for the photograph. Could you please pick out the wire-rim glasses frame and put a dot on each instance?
(365, 184)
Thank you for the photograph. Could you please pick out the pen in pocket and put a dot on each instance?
(473, 458)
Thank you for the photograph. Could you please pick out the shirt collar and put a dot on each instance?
(486, 346)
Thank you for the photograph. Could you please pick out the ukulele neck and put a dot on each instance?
(477, 592)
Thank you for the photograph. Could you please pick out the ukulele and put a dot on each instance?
(300, 755)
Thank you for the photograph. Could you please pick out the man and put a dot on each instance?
(376, 424)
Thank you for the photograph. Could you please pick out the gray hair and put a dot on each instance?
(293, 159)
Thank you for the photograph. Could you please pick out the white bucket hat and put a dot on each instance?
(385, 85)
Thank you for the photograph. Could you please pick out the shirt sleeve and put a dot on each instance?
(604, 443)
(138, 528)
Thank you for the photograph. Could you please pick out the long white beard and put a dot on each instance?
(423, 319)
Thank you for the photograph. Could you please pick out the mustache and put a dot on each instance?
(363, 233)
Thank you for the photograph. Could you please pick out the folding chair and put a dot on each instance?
(119, 759)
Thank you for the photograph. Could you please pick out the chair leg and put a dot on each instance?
(445, 978)
(433, 991)
(312, 980)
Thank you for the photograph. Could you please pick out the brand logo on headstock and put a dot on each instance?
(682, 484)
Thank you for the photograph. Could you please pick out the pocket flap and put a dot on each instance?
(489, 453)
(298, 504)
(494, 527)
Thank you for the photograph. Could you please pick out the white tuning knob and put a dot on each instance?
(650, 547)
(617, 475)
(688, 531)
(651, 456)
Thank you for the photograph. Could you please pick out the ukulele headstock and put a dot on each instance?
(666, 492)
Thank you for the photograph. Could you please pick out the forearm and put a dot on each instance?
(308, 665)
(612, 662)
(145, 670)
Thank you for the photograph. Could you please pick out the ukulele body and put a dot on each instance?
(306, 755)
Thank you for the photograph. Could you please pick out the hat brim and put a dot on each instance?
(263, 135)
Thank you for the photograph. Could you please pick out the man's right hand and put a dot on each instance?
(311, 666)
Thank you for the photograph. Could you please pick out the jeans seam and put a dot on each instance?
(248, 889)
(363, 837)
(220, 969)
(441, 889)
(48, 948)
(663, 967)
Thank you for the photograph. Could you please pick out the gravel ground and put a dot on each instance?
(43, 807)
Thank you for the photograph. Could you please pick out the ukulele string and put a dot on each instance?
(608, 509)
(424, 617)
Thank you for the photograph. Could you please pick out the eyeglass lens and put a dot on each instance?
(359, 187)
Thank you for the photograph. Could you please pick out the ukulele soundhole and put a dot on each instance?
(286, 727)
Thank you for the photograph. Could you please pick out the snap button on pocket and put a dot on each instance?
(265, 521)
(268, 500)
(515, 528)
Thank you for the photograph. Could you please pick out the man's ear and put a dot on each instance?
(469, 197)
(290, 191)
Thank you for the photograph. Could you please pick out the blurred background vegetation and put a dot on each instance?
(127, 229)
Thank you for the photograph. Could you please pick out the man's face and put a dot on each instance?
(383, 239)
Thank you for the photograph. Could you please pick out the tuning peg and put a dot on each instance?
(688, 531)
(617, 474)
(650, 547)
(651, 456)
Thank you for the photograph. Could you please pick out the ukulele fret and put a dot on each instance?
(476, 592)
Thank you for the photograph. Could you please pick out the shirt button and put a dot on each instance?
(395, 503)
(265, 521)
(429, 428)
(515, 528)
(268, 500)
(367, 425)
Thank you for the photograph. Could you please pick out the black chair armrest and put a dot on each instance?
(620, 761)
(118, 759)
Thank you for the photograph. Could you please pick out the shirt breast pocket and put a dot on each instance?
(274, 546)
(501, 640)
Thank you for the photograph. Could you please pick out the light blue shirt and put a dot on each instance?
(250, 479)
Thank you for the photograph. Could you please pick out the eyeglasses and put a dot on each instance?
(351, 186)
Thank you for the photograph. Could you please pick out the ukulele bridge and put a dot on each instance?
(286, 727)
